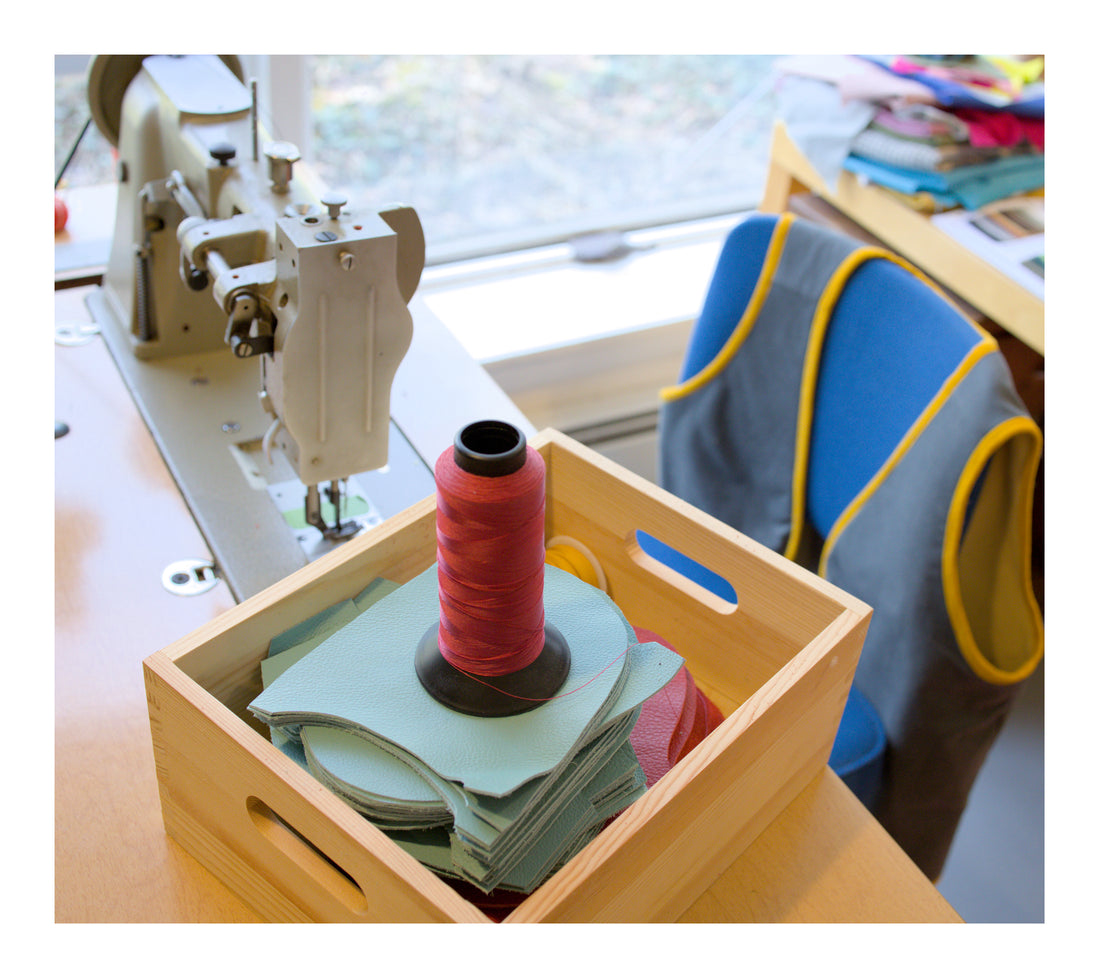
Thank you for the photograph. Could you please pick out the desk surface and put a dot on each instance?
(119, 522)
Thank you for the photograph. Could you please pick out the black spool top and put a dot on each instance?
(490, 448)
(493, 696)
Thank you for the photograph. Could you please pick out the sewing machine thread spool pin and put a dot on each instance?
(281, 157)
(334, 202)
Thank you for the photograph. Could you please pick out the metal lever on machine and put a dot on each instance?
(250, 329)
(177, 187)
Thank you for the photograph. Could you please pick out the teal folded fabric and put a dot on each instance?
(970, 186)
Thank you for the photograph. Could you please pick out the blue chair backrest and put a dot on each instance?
(891, 343)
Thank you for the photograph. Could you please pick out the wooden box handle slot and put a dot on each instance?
(662, 561)
(308, 857)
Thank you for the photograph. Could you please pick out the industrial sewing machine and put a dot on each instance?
(262, 324)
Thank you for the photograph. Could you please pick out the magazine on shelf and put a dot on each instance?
(1008, 234)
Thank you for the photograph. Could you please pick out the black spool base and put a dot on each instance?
(493, 696)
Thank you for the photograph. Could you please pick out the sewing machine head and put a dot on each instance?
(219, 243)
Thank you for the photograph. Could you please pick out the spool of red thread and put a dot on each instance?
(492, 653)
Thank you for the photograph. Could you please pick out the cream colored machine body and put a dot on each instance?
(218, 243)
(258, 322)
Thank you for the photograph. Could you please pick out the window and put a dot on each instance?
(505, 157)
(501, 151)
(504, 151)
(92, 162)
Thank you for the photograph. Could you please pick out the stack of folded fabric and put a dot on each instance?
(979, 139)
(924, 137)
(941, 132)
(494, 803)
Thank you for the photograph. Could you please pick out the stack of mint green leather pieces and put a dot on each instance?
(496, 802)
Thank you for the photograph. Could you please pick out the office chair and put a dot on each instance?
(834, 406)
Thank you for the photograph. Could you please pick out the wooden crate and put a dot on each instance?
(779, 664)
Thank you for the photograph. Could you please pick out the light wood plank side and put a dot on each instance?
(662, 852)
(223, 655)
(228, 797)
(780, 183)
(780, 606)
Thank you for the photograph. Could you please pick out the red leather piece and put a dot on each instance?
(659, 725)
(671, 722)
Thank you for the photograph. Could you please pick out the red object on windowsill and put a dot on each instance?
(60, 214)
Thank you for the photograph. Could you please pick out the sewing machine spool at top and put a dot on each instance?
(258, 323)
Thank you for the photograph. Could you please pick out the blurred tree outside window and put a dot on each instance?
(504, 151)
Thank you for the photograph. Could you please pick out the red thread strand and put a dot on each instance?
(559, 696)
(491, 552)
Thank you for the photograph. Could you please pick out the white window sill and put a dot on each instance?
(574, 344)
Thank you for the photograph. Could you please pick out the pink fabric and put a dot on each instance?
(876, 84)
(1001, 128)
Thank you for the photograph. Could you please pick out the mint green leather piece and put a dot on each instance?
(610, 790)
(373, 780)
(493, 801)
(288, 647)
(306, 636)
(362, 677)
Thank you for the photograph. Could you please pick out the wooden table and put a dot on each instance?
(119, 522)
(911, 235)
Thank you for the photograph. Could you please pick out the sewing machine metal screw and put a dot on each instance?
(246, 346)
(245, 313)
(223, 153)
